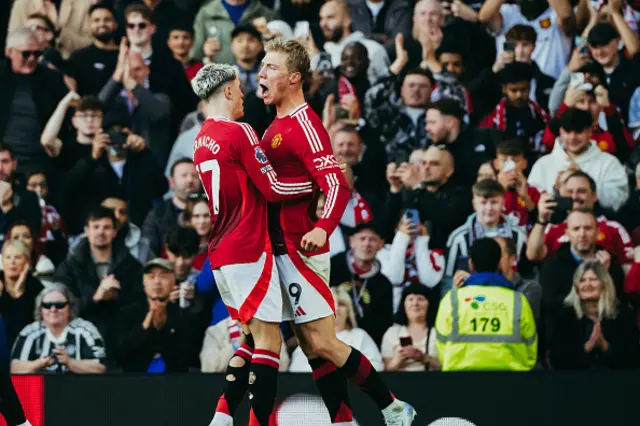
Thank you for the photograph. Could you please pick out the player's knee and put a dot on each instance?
(319, 347)
(268, 339)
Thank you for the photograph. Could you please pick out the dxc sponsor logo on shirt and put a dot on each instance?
(325, 162)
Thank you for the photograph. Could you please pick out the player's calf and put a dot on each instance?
(263, 378)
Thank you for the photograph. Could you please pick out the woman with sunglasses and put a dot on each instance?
(196, 215)
(18, 288)
(58, 341)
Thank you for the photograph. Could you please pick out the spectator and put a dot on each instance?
(166, 74)
(359, 273)
(574, 149)
(180, 43)
(20, 288)
(53, 239)
(487, 221)
(501, 341)
(410, 344)
(44, 29)
(16, 203)
(347, 330)
(629, 214)
(381, 20)
(335, 21)
(180, 249)
(197, 216)
(120, 166)
(93, 65)
(42, 267)
(546, 237)
(594, 331)
(58, 341)
(520, 199)
(31, 93)
(442, 204)
(554, 22)
(396, 105)
(69, 16)
(155, 336)
(165, 14)
(469, 145)
(486, 171)
(103, 276)
(215, 22)
(246, 46)
(146, 113)
(163, 216)
(516, 115)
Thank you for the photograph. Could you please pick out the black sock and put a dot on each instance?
(10, 406)
(333, 389)
(359, 370)
(237, 380)
(263, 384)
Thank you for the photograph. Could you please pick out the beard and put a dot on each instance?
(336, 35)
(105, 37)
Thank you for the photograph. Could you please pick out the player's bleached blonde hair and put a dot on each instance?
(211, 78)
(607, 303)
(297, 56)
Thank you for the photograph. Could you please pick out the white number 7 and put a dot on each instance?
(213, 167)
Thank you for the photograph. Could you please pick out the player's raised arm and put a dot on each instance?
(262, 174)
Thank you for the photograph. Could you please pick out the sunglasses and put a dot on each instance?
(159, 299)
(197, 196)
(134, 25)
(31, 53)
(57, 305)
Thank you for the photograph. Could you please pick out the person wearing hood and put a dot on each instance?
(486, 324)
(574, 149)
(360, 274)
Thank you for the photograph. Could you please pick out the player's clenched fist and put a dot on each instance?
(314, 240)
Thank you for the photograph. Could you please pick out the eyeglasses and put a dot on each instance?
(31, 53)
(197, 196)
(40, 28)
(134, 25)
(159, 299)
(57, 305)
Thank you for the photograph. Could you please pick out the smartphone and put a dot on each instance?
(561, 211)
(509, 46)
(576, 79)
(462, 264)
(301, 29)
(413, 216)
(341, 113)
(508, 165)
(406, 341)
(117, 139)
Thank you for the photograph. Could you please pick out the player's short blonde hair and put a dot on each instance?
(297, 56)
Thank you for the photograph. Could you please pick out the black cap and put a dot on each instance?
(370, 225)
(516, 72)
(601, 34)
(246, 29)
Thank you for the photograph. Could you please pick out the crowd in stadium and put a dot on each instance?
(457, 120)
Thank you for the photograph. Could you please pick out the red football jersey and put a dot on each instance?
(514, 205)
(237, 176)
(612, 237)
(299, 147)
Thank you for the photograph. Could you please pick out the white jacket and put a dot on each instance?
(612, 184)
(378, 58)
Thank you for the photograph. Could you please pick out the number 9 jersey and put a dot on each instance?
(238, 180)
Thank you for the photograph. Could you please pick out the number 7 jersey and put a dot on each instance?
(238, 180)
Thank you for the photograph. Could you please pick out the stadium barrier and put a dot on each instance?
(482, 399)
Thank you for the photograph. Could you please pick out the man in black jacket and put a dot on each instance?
(469, 145)
(443, 205)
(104, 277)
(359, 273)
(156, 335)
(29, 95)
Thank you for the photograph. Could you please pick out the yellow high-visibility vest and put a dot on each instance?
(486, 328)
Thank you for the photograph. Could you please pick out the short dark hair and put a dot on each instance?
(90, 103)
(431, 295)
(449, 46)
(44, 18)
(141, 9)
(487, 188)
(575, 120)
(511, 147)
(584, 210)
(420, 71)
(100, 212)
(485, 255)
(521, 32)
(181, 25)
(102, 5)
(581, 174)
(516, 72)
(7, 148)
(183, 241)
(450, 107)
(183, 160)
(509, 244)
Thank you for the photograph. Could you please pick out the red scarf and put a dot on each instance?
(346, 88)
(498, 118)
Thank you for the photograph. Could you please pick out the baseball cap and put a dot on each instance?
(157, 262)
(370, 225)
(601, 34)
(247, 28)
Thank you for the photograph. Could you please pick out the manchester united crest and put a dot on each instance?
(276, 141)
(545, 23)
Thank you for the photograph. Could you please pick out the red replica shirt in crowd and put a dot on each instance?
(514, 205)
(299, 147)
(236, 174)
(611, 236)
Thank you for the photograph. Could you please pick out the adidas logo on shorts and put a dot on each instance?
(300, 312)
